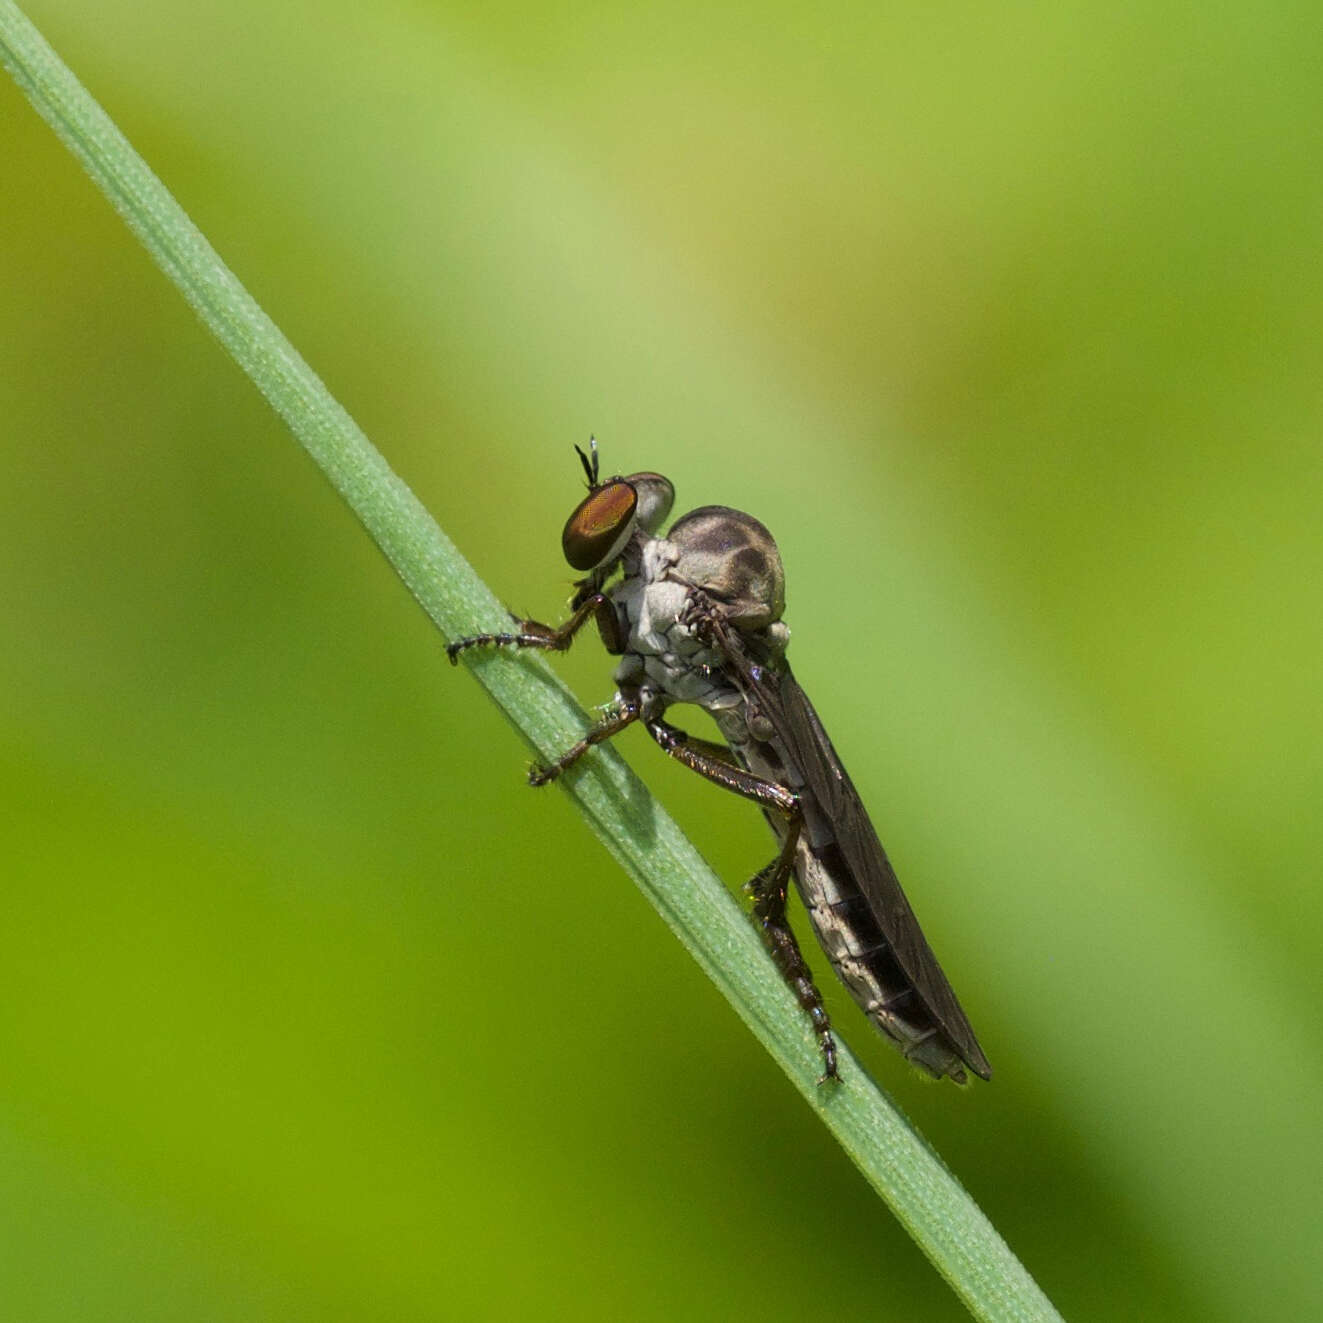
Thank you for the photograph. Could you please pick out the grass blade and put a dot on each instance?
(927, 1199)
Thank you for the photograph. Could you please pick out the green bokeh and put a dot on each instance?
(1005, 321)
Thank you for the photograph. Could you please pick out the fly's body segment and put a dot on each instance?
(695, 617)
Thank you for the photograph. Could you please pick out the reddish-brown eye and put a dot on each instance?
(597, 529)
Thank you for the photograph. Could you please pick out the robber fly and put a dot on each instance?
(696, 618)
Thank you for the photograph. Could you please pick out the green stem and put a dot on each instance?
(928, 1200)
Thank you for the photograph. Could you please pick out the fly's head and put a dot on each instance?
(606, 520)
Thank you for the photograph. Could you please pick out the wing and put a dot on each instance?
(775, 694)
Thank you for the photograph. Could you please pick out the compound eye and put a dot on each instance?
(596, 532)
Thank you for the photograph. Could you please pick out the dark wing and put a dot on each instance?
(776, 695)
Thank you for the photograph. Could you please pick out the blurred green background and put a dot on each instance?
(1006, 322)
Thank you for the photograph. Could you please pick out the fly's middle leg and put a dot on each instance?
(625, 713)
(768, 887)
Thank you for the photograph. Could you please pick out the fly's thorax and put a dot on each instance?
(733, 559)
(730, 559)
(662, 654)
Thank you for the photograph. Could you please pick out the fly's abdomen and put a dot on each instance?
(865, 962)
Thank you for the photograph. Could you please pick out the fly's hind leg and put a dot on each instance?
(768, 887)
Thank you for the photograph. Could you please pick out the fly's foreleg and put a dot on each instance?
(623, 714)
(534, 634)
(768, 887)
